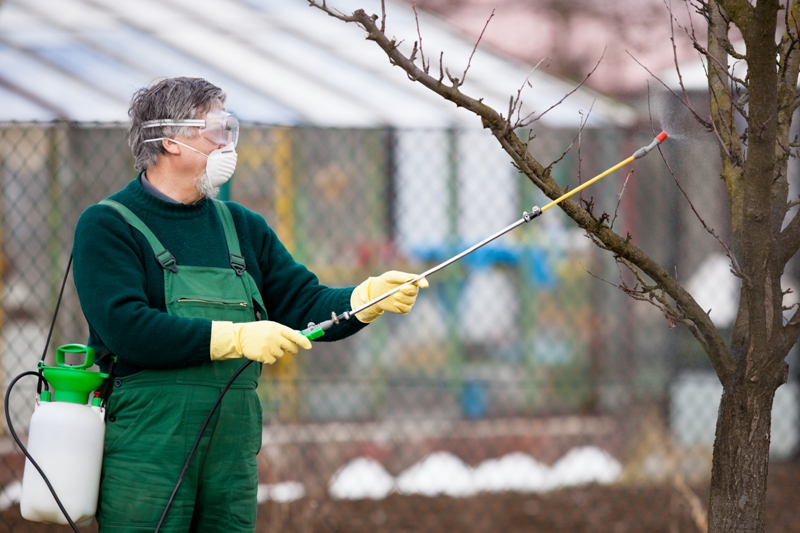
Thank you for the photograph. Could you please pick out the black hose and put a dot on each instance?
(25, 451)
(53, 324)
(55, 311)
(197, 441)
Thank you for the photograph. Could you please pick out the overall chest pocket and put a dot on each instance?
(212, 293)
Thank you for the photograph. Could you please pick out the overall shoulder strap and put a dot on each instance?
(234, 252)
(163, 256)
(235, 255)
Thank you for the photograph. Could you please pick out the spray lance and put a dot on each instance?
(314, 331)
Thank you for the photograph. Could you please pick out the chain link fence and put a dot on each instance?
(521, 369)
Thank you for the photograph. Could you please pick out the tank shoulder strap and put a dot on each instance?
(234, 252)
(163, 256)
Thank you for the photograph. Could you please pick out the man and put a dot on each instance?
(182, 289)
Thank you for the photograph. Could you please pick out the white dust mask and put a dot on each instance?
(221, 162)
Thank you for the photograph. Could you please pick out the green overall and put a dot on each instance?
(154, 416)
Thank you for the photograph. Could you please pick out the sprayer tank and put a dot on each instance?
(66, 441)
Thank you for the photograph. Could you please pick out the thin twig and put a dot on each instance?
(580, 164)
(527, 122)
(516, 102)
(688, 106)
(735, 268)
(576, 138)
(728, 49)
(646, 293)
(335, 13)
(619, 198)
(474, 48)
(699, 513)
(425, 66)
(675, 53)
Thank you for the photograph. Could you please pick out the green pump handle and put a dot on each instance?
(72, 383)
(75, 348)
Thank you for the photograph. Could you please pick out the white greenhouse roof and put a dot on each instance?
(279, 61)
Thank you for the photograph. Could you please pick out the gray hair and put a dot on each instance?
(171, 98)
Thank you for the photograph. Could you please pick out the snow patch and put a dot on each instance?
(516, 471)
(438, 473)
(362, 478)
(284, 492)
(444, 473)
(10, 495)
(580, 466)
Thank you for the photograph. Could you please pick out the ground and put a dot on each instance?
(615, 509)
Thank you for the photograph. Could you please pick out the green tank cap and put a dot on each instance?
(72, 383)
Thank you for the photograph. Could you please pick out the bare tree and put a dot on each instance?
(755, 169)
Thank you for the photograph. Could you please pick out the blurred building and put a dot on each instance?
(572, 36)
(69, 68)
(281, 62)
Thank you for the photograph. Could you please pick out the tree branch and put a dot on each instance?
(491, 118)
(789, 239)
(722, 105)
(650, 294)
(788, 53)
(722, 115)
(740, 12)
(518, 150)
(685, 303)
(791, 332)
(788, 69)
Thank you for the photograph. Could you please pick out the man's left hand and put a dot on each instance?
(400, 302)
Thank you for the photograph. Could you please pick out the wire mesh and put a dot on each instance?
(521, 369)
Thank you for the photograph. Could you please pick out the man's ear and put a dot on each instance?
(171, 146)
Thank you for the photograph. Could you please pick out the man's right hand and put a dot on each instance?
(263, 341)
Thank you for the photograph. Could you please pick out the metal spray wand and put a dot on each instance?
(314, 331)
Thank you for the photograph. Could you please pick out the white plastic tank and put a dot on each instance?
(66, 441)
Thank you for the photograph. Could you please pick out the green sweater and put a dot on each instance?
(121, 285)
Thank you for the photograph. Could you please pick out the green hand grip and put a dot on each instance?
(314, 333)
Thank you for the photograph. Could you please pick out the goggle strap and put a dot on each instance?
(167, 122)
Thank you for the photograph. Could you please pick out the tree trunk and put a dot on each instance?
(741, 456)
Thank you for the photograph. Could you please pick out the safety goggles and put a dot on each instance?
(219, 127)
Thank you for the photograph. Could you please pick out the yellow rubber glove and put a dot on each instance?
(400, 302)
(262, 341)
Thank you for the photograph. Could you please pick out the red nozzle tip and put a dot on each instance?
(661, 136)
